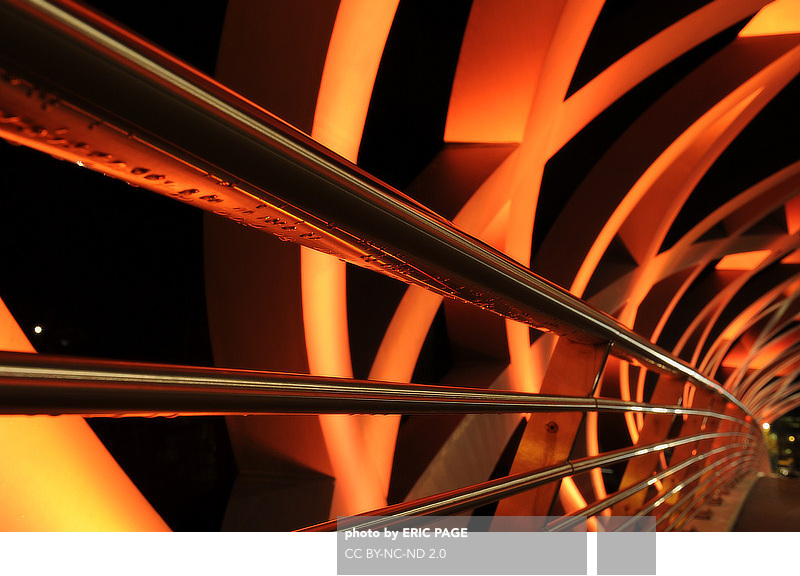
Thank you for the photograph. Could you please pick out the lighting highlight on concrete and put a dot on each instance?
(743, 260)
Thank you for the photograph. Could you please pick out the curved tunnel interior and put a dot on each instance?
(642, 155)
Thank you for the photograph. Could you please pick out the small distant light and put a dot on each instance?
(79, 163)
(37, 329)
(765, 425)
(791, 438)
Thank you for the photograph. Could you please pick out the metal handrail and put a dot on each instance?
(39, 384)
(470, 497)
(574, 518)
(704, 488)
(662, 498)
(147, 99)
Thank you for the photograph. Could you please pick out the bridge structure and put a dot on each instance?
(524, 258)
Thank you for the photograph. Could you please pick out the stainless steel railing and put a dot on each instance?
(574, 518)
(471, 497)
(694, 499)
(163, 104)
(38, 384)
(77, 87)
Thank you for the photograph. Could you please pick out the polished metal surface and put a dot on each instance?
(718, 479)
(733, 460)
(76, 87)
(470, 497)
(38, 384)
(574, 518)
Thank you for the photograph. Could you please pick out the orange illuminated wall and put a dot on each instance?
(743, 260)
(779, 17)
(56, 475)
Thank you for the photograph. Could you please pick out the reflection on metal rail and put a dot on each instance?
(694, 504)
(81, 89)
(575, 518)
(662, 498)
(471, 497)
(36, 384)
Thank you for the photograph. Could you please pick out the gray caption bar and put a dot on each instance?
(461, 545)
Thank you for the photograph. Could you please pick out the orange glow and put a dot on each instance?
(536, 150)
(489, 203)
(725, 111)
(562, 35)
(522, 369)
(351, 65)
(792, 208)
(408, 326)
(324, 296)
(357, 481)
(681, 255)
(625, 394)
(570, 30)
(484, 215)
(679, 166)
(715, 313)
(792, 287)
(522, 102)
(739, 355)
(746, 317)
(498, 70)
(57, 463)
(12, 338)
(396, 359)
(588, 102)
(355, 51)
(689, 392)
(779, 17)
(743, 260)
(761, 392)
(56, 475)
(572, 500)
(793, 258)
(593, 449)
(656, 268)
